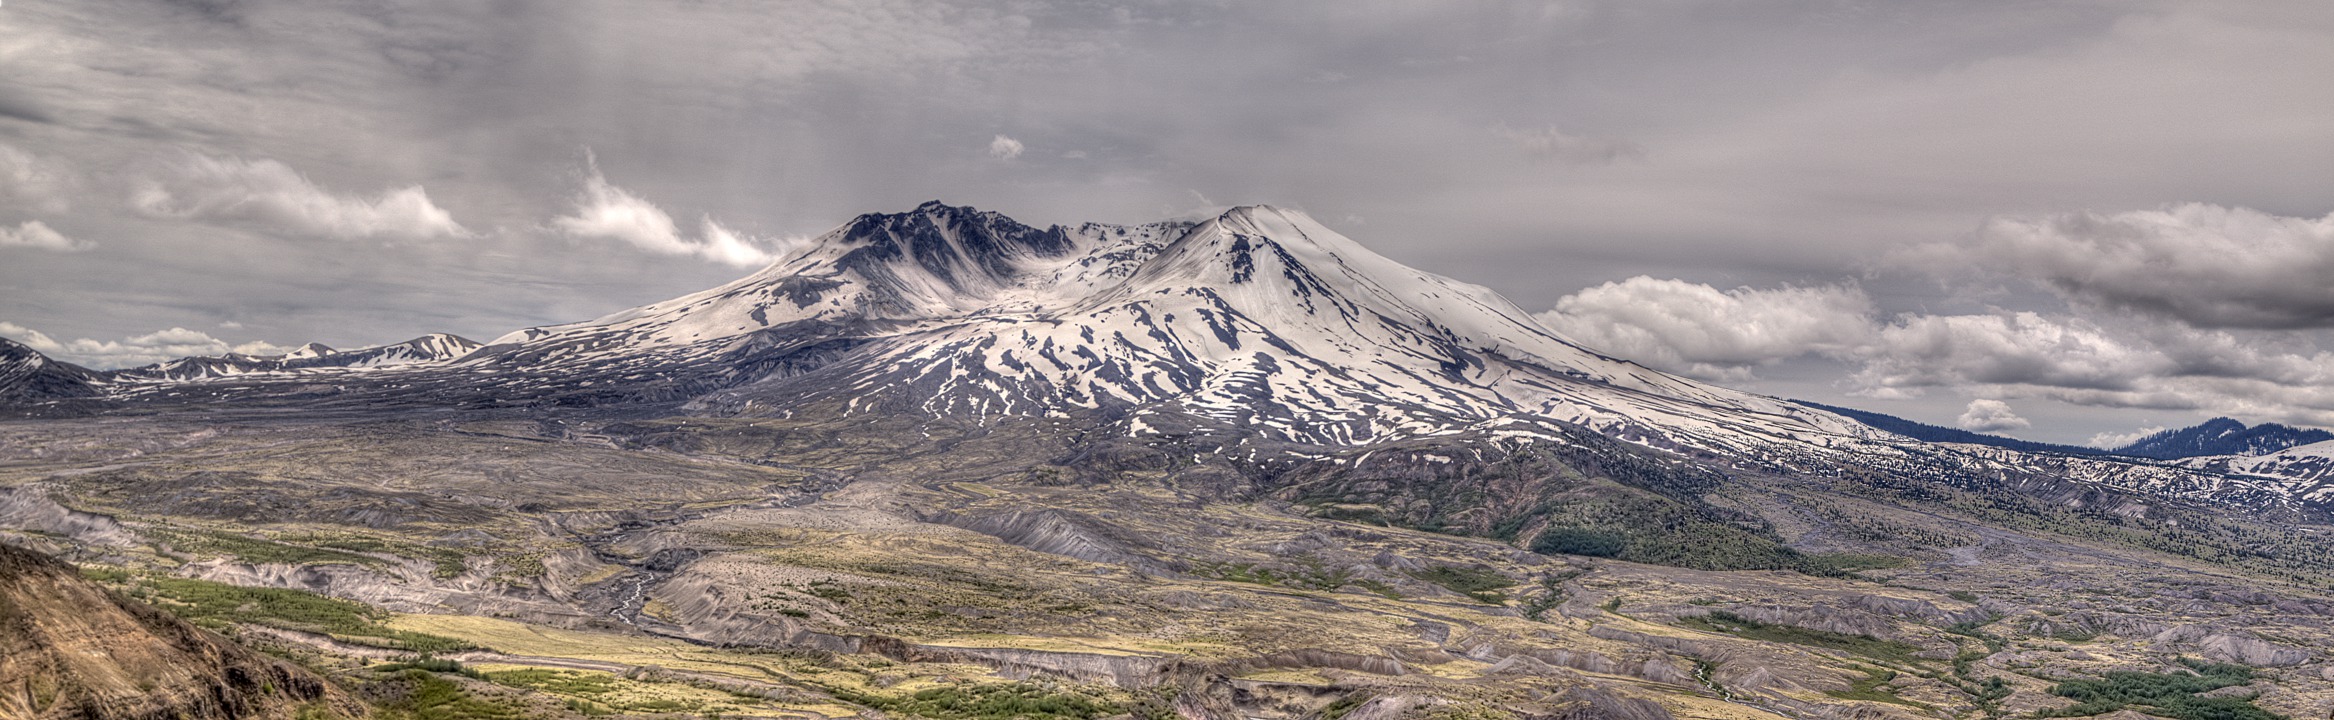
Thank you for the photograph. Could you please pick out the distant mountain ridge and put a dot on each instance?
(2223, 436)
(1935, 433)
(434, 347)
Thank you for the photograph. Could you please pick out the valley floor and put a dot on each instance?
(701, 567)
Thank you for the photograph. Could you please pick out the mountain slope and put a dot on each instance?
(2309, 468)
(2223, 436)
(69, 649)
(28, 377)
(1935, 433)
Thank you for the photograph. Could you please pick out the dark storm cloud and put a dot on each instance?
(14, 104)
(2143, 362)
(1541, 147)
(2205, 265)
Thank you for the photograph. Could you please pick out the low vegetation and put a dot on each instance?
(1482, 584)
(253, 550)
(2173, 694)
(426, 696)
(447, 562)
(1721, 621)
(1874, 687)
(599, 693)
(221, 606)
(432, 664)
(992, 701)
(1306, 576)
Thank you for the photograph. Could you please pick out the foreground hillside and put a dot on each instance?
(70, 649)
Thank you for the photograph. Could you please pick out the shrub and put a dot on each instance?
(1580, 541)
(2172, 694)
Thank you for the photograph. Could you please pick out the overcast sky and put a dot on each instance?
(2054, 220)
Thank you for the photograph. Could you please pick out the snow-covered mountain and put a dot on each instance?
(2310, 468)
(432, 348)
(1258, 321)
(28, 377)
(1259, 317)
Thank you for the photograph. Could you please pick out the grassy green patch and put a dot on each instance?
(1482, 584)
(564, 682)
(994, 701)
(1552, 594)
(448, 562)
(254, 550)
(1308, 575)
(1345, 705)
(2171, 694)
(1873, 687)
(1726, 622)
(598, 693)
(429, 697)
(219, 605)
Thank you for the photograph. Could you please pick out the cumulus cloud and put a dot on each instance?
(1702, 331)
(2080, 361)
(2113, 440)
(2020, 348)
(271, 197)
(1551, 144)
(1987, 416)
(1005, 148)
(133, 351)
(39, 236)
(1698, 330)
(607, 212)
(2206, 265)
(32, 183)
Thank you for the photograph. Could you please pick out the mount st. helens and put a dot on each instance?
(1237, 467)
(1259, 323)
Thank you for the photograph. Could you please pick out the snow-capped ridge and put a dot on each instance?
(1258, 315)
(308, 358)
(2313, 463)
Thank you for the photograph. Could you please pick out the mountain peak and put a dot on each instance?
(27, 376)
(310, 350)
(2223, 436)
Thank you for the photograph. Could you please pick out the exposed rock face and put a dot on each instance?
(29, 509)
(1055, 532)
(1827, 619)
(1587, 703)
(2247, 650)
(69, 649)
